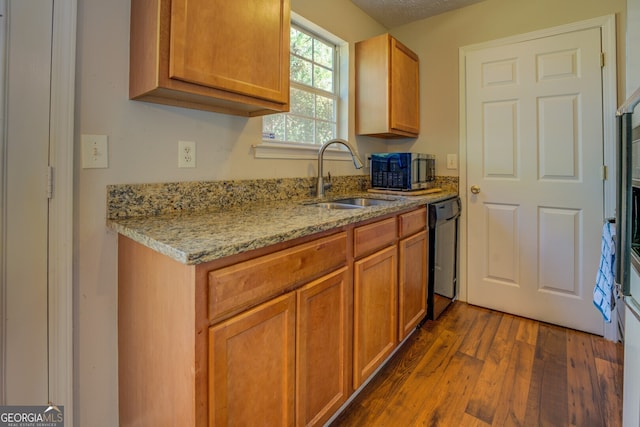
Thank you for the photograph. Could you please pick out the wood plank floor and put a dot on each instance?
(478, 367)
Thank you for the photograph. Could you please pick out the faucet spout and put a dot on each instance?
(357, 162)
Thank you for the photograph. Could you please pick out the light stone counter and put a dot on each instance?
(197, 236)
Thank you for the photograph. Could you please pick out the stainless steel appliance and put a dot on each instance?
(402, 171)
(442, 220)
(628, 202)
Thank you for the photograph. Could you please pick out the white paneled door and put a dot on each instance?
(534, 161)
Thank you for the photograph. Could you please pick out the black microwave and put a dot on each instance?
(402, 171)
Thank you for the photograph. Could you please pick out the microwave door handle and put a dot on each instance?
(421, 169)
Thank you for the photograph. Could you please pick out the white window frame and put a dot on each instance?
(301, 151)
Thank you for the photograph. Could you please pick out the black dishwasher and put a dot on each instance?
(442, 219)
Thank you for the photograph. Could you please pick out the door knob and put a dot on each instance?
(475, 189)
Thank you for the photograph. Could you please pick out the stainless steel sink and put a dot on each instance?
(351, 203)
(335, 205)
(363, 201)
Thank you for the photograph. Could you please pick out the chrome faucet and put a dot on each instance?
(356, 162)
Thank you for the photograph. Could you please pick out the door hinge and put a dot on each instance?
(604, 172)
(601, 59)
(49, 182)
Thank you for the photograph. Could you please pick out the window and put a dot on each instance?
(314, 93)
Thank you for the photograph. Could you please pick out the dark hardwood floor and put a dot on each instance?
(478, 367)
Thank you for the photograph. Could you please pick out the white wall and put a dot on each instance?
(143, 143)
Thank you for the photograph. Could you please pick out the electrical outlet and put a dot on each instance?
(186, 154)
(95, 151)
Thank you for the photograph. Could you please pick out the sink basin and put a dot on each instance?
(351, 203)
(363, 201)
(335, 205)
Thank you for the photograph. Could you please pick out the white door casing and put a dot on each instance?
(533, 144)
(63, 66)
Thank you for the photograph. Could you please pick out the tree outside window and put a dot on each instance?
(312, 118)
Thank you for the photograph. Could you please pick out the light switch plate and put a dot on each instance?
(95, 151)
(452, 161)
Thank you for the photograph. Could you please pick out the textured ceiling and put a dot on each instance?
(392, 13)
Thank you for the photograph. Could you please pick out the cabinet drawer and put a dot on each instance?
(412, 222)
(233, 288)
(372, 237)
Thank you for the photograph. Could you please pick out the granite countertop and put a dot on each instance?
(206, 235)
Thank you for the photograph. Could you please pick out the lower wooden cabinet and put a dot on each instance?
(323, 348)
(412, 283)
(300, 342)
(252, 366)
(390, 288)
(282, 336)
(375, 308)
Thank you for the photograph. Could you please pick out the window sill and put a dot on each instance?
(276, 150)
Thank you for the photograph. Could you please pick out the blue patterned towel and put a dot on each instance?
(604, 291)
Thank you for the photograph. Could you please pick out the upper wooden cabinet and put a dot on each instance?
(387, 89)
(225, 56)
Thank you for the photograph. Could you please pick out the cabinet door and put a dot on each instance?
(322, 342)
(387, 88)
(252, 365)
(375, 312)
(405, 89)
(241, 46)
(412, 286)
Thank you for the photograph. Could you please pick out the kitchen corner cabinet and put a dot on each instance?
(387, 88)
(224, 56)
